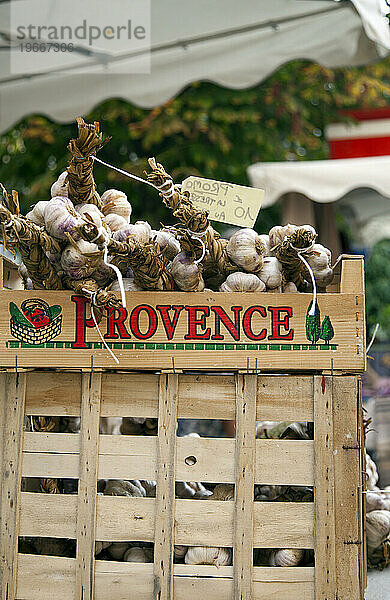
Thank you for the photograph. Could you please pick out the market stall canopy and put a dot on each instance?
(321, 180)
(234, 44)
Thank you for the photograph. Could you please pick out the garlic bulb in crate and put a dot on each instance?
(271, 273)
(187, 274)
(264, 238)
(201, 555)
(279, 232)
(320, 258)
(371, 473)
(128, 284)
(246, 250)
(179, 552)
(115, 222)
(290, 557)
(242, 282)
(166, 242)
(60, 187)
(75, 263)
(377, 527)
(117, 549)
(140, 231)
(100, 546)
(116, 202)
(223, 491)
(138, 554)
(289, 288)
(61, 217)
(37, 213)
(93, 212)
(375, 501)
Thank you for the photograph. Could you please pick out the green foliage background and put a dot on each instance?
(209, 131)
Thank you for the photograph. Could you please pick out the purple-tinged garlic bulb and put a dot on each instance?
(186, 273)
(279, 232)
(37, 213)
(246, 250)
(128, 284)
(289, 288)
(61, 218)
(166, 242)
(60, 187)
(76, 264)
(140, 231)
(115, 222)
(242, 282)
(115, 201)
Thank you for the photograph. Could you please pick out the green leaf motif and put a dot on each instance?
(313, 328)
(18, 316)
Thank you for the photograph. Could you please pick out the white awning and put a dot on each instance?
(232, 43)
(321, 180)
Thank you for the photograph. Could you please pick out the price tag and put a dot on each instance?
(226, 202)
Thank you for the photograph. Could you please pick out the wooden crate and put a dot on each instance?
(332, 463)
(209, 331)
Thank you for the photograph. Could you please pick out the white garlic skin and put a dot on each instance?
(92, 210)
(117, 550)
(37, 213)
(200, 555)
(115, 201)
(375, 501)
(279, 232)
(119, 487)
(271, 273)
(242, 282)
(74, 262)
(290, 557)
(377, 527)
(245, 249)
(140, 231)
(128, 284)
(371, 473)
(264, 238)
(60, 187)
(115, 222)
(149, 487)
(289, 288)
(138, 554)
(61, 218)
(166, 242)
(191, 489)
(100, 546)
(186, 273)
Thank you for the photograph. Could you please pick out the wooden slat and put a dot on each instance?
(2, 432)
(165, 493)
(347, 450)
(278, 462)
(363, 485)
(51, 393)
(246, 389)
(284, 398)
(86, 506)
(38, 579)
(325, 568)
(14, 398)
(48, 515)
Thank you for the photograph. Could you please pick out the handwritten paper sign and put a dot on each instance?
(226, 202)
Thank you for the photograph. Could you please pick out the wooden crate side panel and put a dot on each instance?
(15, 389)
(263, 346)
(38, 579)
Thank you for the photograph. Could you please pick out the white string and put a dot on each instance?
(127, 174)
(299, 251)
(197, 236)
(118, 275)
(93, 297)
(373, 338)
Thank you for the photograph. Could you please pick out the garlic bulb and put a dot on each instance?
(271, 273)
(149, 487)
(37, 214)
(128, 284)
(377, 527)
(200, 555)
(246, 250)
(290, 557)
(75, 263)
(320, 258)
(61, 217)
(117, 549)
(279, 232)
(116, 202)
(23, 274)
(375, 501)
(265, 493)
(100, 546)
(92, 211)
(60, 187)
(115, 222)
(117, 487)
(103, 274)
(70, 424)
(264, 238)
(262, 428)
(289, 288)
(179, 552)
(139, 231)
(138, 554)
(223, 491)
(187, 274)
(371, 473)
(191, 489)
(166, 242)
(242, 282)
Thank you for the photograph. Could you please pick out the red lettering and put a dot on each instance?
(222, 316)
(277, 323)
(194, 321)
(247, 323)
(134, 322)
(81, 321)
(169, 325)
(115, 320)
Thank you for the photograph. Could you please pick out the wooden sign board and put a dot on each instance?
(189, 331)
(226, 202)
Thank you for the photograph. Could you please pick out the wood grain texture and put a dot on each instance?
(13, 399)
(86, 505)
(347, 464)
(165, 493)
(38, 578)
(325, 568)
(246, 390)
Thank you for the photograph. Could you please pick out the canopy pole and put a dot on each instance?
(297, 209)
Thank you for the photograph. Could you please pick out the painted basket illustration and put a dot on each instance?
(35, 322)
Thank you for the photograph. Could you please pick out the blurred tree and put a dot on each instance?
(378, 289)
(207, 130)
